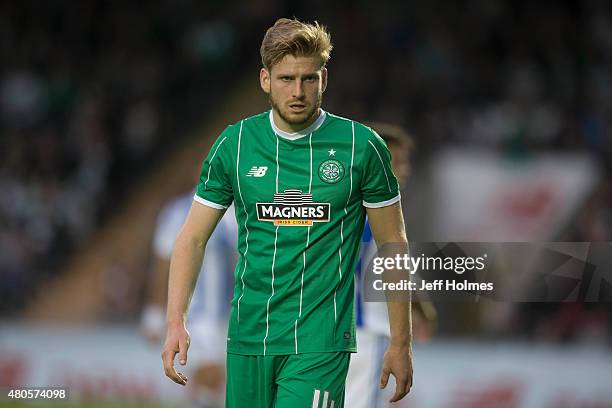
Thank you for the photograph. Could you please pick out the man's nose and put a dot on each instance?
(298, 89)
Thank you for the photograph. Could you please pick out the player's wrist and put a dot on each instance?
(401, 343)
(176, 322)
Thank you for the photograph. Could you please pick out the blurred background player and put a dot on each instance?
(210, 304)
(362, 384)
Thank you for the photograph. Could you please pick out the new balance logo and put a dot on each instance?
(257, 171)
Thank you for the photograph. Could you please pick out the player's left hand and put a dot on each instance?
(398, 361)
(177, 342)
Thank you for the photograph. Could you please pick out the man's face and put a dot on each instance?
(295, 87)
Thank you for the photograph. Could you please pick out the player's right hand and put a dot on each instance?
(177, 341)
(397, 361)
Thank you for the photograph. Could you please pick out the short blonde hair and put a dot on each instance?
(293, 37)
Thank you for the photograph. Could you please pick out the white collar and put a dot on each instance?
(296, 135)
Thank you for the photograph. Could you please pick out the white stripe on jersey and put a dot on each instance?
(211, 159)
(345, 213)
(339, 265)
(273, 260)
(382, 164)
(351, 168)
(304, 253)
(270, 298)
(277, 167)
(245, 222)
(295, 336)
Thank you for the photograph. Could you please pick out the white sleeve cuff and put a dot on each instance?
(383, 203)
(208, 203)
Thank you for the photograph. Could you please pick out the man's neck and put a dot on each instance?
(313, 126)
(288, 127)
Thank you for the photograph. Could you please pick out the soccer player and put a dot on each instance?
(302, 181)
(208, 312)
(362, 391)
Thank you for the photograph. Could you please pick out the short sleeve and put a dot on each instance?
(215, 186)
(379, 186)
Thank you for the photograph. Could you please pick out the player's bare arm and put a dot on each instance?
(387, 225)
(184, 267)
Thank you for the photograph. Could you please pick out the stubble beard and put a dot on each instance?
(297, 121)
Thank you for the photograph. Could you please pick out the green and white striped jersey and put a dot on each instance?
(299, 203)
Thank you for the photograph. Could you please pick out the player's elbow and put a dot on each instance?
(188, 241)
(391, 237)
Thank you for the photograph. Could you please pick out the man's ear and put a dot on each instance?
(323, 79)
(264, 80)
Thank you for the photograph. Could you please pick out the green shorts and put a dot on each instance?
(308, 380)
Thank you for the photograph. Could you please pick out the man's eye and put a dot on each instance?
(285, 79)
(311, 79)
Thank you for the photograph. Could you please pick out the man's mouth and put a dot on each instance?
(297, 107)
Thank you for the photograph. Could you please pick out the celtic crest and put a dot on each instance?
(331, 171)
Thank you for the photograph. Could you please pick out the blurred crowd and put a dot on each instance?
(510, 74)
(91, 91)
